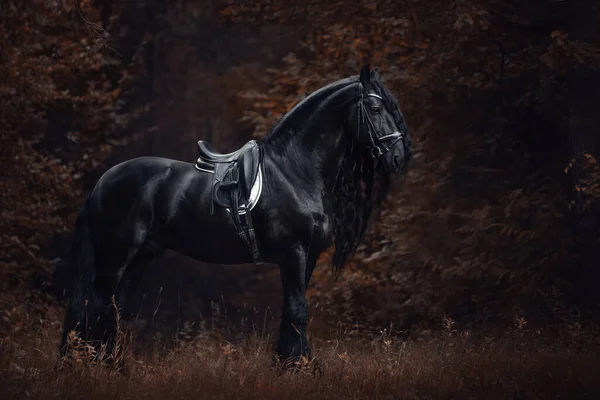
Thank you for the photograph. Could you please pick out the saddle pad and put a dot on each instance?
(255, 192)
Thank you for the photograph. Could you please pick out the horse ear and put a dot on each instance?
(365, 76)
(375, 73)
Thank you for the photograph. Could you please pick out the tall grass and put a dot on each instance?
(451, 365)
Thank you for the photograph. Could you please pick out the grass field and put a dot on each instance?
(447, 366)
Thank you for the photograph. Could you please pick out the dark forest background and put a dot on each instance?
(496, 224)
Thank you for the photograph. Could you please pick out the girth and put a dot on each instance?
(236, 186)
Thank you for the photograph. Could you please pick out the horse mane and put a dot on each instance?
(360, 188)
(361, 185)
(301, 112)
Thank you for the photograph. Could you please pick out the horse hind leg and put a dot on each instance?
(134, 273)
(99, 266)
(82, 269)
(88, 314)
(91, 312)
(115, 289)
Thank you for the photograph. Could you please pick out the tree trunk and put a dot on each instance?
(584, 122)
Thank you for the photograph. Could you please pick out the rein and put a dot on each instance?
(378, 146)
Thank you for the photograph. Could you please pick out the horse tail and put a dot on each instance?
(81, 273)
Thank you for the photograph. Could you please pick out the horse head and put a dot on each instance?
(378, 124)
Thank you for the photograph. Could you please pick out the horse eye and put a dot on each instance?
(375, 109)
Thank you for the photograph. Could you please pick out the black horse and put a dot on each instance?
(326, 164)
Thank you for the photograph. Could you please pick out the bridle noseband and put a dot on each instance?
(378, 146)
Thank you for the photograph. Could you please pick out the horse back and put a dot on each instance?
(144, 185)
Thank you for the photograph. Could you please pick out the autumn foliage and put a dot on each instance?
(478, 230)
(63, 108)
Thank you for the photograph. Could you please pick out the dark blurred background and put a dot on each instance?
(496, 222)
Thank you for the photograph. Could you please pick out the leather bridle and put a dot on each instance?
(378, 143)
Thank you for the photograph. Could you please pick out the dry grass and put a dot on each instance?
(450, 366)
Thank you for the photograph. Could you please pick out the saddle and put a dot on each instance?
(236, 185)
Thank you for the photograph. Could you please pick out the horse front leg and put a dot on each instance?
(292, 344)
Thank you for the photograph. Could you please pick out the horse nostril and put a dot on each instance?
(396, 161)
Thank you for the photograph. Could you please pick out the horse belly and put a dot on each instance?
(193, 231)
(216, 247)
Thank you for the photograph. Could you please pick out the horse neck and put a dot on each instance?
(312, 145)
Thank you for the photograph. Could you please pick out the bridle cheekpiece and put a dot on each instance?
(378, 143)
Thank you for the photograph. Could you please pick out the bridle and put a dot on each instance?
(378, 143)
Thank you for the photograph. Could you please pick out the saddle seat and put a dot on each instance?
(209, 154)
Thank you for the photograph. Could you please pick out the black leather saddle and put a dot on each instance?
(236, 170)
(234, 175)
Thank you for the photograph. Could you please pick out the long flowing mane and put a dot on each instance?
(360, 187)
(361, 184)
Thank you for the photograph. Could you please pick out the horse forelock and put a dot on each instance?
(393, 106)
